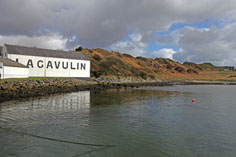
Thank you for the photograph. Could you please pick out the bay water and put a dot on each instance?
(148, 121)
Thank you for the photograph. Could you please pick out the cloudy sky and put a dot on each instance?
(183, 30)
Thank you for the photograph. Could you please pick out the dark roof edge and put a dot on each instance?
(11, 63)
(36, 48)
(84, 56)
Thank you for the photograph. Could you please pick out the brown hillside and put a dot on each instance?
(105, 64)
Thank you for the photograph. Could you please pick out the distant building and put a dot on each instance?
(229, 68)
(49, 63)
(12, 69)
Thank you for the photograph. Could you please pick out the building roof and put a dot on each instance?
(11, 63)
(33, 51)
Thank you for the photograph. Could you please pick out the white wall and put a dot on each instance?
(1, 72)
(15, 72)
(53, 67)
(53, 71)
(4, 52)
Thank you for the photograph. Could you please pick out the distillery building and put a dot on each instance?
(48, 63)
(12, 69)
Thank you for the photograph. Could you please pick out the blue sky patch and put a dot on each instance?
(153, 46)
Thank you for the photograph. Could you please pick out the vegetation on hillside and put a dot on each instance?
(115, 64)
(209, 66)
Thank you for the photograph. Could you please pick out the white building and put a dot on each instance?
(49, 63)
(12, 69)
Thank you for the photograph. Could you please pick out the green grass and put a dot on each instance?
(210, 66)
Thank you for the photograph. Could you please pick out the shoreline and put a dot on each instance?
(13, 90)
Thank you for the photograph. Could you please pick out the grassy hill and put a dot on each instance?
(105, 64)
(209, 66)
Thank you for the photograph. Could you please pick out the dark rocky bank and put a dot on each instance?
(11, 90)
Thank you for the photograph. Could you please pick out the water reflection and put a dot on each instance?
(83, 100)
(121, 96)
(63, 102)
(53, 117)
(73, 101)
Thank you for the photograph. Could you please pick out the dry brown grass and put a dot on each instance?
(147, 68)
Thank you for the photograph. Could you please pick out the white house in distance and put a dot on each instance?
(12, 69)
(49, 63)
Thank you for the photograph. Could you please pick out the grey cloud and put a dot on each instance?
(100, 23)
(215, 45)
(169, 39)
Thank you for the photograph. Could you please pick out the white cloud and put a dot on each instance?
(51, 41)
(136, 37)
(134, 47)
(164, 53)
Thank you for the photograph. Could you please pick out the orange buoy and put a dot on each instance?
(193, 100)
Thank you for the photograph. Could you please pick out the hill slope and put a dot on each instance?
(115, 64)
(105, 64)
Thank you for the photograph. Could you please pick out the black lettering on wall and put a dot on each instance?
(83, 66)
(77, 66)
(71, 66)
(63, 65)
(49, 65)
(57, 64)
(30, 64)
(40, 64)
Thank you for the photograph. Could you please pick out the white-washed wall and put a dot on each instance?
(1, 72)
(81, 65)
(4, 52)
(53, 67)
(15, 72)
(35, 71)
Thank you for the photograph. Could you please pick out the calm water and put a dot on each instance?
(153, 121)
